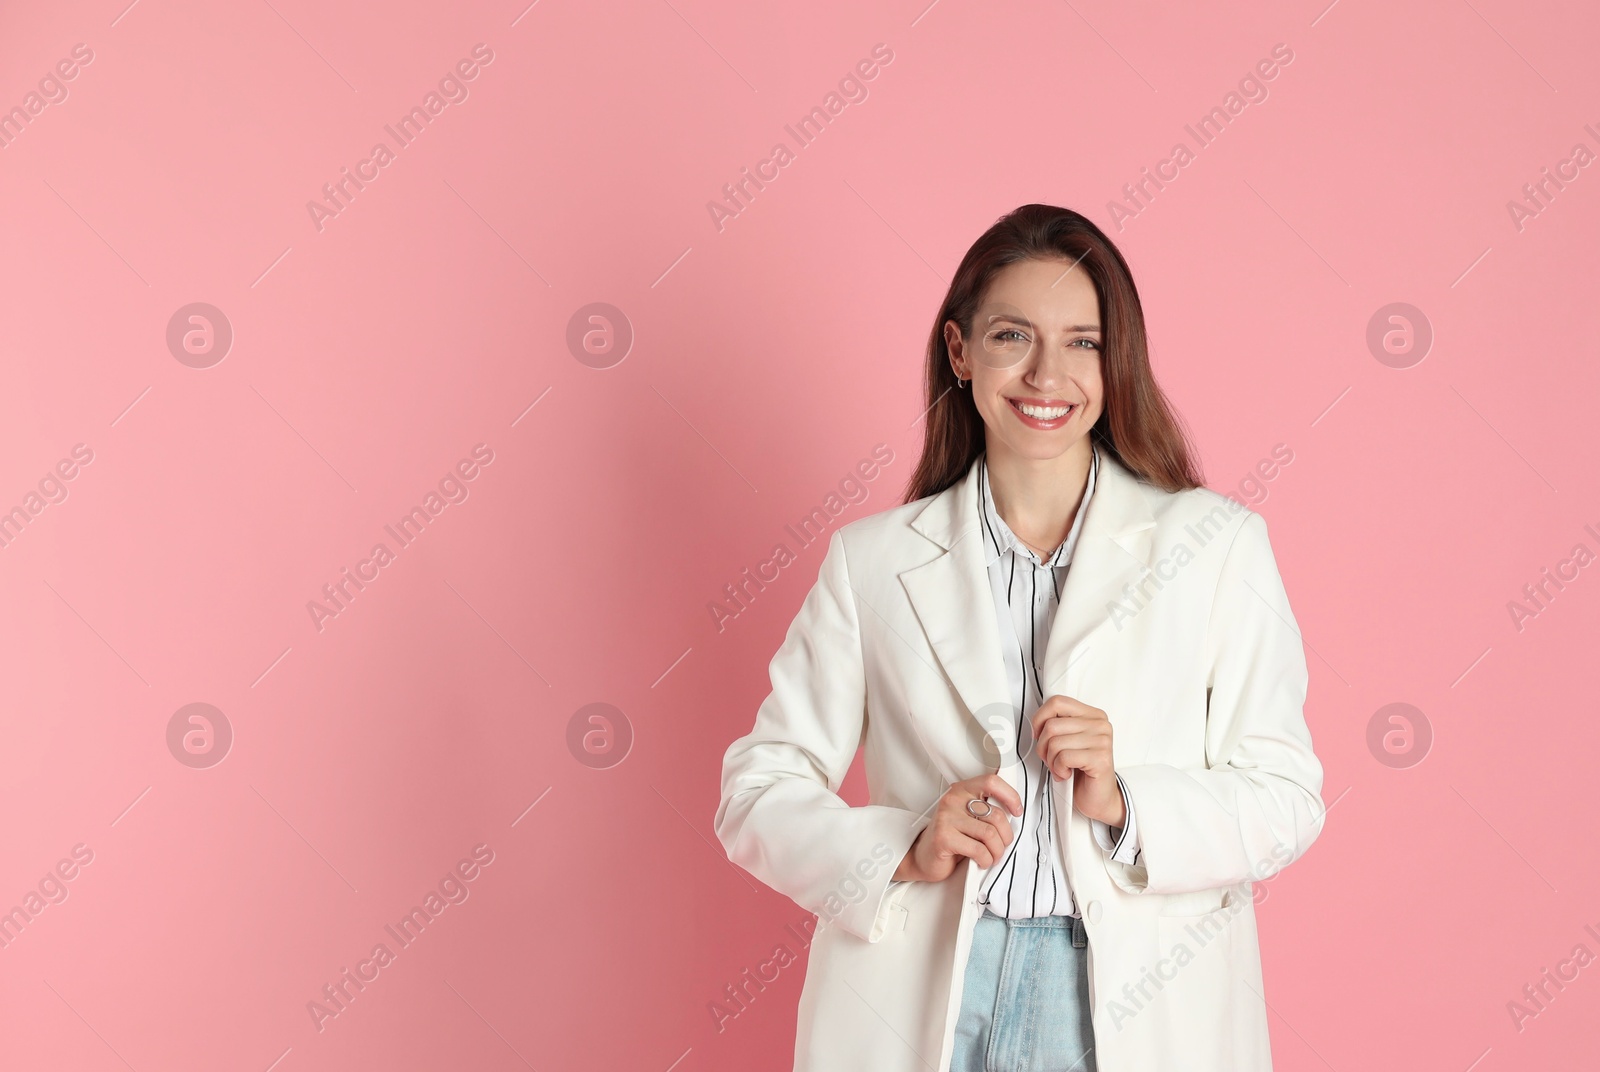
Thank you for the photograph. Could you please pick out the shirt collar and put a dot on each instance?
(998, 537)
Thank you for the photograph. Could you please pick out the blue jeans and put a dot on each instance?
(1025, 1003)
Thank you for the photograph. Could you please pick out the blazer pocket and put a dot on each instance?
(1197, 902)
(892, 916)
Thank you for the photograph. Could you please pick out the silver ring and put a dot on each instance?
(979, 815)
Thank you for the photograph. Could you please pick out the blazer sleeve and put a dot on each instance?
(780, 816)
(1256, 807)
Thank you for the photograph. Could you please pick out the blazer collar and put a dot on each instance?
(955, 606)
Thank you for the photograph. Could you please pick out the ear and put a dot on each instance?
(957, 348)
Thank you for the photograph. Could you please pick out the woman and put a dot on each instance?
(1067, 809)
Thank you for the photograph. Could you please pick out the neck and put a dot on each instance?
(1038, 498)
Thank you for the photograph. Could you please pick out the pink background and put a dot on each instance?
(769, 358)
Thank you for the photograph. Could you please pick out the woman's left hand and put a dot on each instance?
(1074, 736)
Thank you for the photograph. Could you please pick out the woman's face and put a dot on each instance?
(1036, 342)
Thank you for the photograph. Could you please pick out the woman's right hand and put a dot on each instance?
(954, 832)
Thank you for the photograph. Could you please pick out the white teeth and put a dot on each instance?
(1041, 413)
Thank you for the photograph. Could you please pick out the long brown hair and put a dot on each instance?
(1137, 425)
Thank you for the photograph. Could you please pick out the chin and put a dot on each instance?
(1043, 447)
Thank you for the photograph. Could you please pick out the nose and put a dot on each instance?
(1049, 367)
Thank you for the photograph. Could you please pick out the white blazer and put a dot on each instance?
(1174, 621)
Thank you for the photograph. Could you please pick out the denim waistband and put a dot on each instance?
(1033, 921)
(1079, 933)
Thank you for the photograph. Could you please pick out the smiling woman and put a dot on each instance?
(1063, 792)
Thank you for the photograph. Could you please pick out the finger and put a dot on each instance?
(997, 788)
(986, 831)
(1061, 731)
(1043, 720)
(1043, 714)
(1063, 759)
(996, 818)
(957, 804)
(1055, 706)
(998, 821)
(1075, 730)
(1049, 728)
(976, 850)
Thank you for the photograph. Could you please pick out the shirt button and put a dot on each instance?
(1092, 911)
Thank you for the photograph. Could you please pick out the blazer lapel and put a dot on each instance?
(955, 606)
(1114, 550)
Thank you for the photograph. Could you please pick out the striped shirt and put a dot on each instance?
(1031, 878)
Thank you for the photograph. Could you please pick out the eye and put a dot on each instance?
(1003, 333)
(1092, 344)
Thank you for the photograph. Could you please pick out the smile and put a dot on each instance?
(1043, 416)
